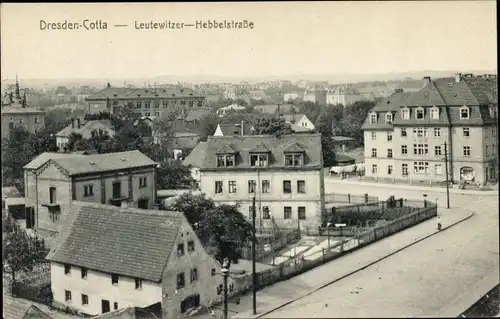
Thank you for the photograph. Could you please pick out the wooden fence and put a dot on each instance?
(349, 198)
(268, 245)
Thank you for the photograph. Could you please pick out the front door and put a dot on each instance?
(105, 306)
(143, 203)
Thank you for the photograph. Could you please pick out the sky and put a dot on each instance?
(287, 38)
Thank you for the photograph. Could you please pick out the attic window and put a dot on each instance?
(435, 113)
(388, 118)
(226, 160)
(146, 91)
(258, 160)
(405, 114)
(115, 95)
(419, 114)
(138, 94)
(92, 163)
(173, 95)
(123, 159)
(373, 118)
(156, 94)
(464, 113)
(294, 159)
(164, 90)
(191, 94)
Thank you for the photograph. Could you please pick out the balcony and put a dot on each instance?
(52, 207)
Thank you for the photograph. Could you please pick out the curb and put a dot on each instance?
(362, 268)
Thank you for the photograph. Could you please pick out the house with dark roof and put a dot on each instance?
(299, 122)
(53, 180)
(108, 258)
(144, 101)
(17, 308)
(85, 129)
(284, 174)
(407, 135)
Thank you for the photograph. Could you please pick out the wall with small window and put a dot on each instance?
(97, 286)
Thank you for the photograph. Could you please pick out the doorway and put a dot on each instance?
(105, 306)
(143, 203)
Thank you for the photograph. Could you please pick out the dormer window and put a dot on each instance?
(434, 113)
(225, 160)
(258, 160)
(419, 113)
(405, 114)
(294, 159)
(464, 113)
(373, 118)
(388, 118)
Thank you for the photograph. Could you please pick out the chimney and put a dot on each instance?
(458, 76)
(427, 79)
(72, 123)
(242, 128)
(78, 123)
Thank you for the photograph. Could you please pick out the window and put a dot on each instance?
(302, 213)
(437, 132)
(117, 189)
(438, 168)
(218, 187)
(419, 132)
(374, 152)
(67, 295)
(435, 113)
(287, 212)
(138, 105)
(88, 190)
(419, 114)
(466, 150)
(67, 269)
(138, 283)
(266, 186)
(157, 113)
(405, 114)
(404, 169)
(180, 250)
(183, 102)
(466, 131)
(464, 113)
(389, 170)
(287, 187)
(404, 150)
(420, 149)
(157, 104)
(232, 187)
(293, 160)
(225, 160)
(251, 186)
(165, 103)
(53, 217)
(147, 104)
(147, 114)
(180, 280)
(374, 136)
(374, 169)
(52, 195)
(403, 132)
(259, 160)
(190, 246)
(191, 103)
(301, 187)
(115, 305)
(389, 136)
(388, 118)
(389, 152)
(373, 118)
(437, 150)
(250, 212)
(265, 212)
(421, 167)
(200, 103)
(194, 274)
(35, 120)
(85, 300)
(143, 182)
(84, 273)
(213, 272)
(114, 279)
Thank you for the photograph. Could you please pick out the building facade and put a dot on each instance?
(138, 258)
(143, 102)
(315, 96)
(343, 96)
(54, 180)
(406, 135)
(284, 175)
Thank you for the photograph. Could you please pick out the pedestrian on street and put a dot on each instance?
(439, 222)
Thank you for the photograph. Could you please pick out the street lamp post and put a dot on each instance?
(425, 200)
(447, 177)
(225, 273)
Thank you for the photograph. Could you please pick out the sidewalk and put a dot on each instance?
(413, 187)
(286, 291)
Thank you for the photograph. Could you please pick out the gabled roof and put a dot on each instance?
(125, 241)
(86, 128)
(195, 158)
(292, 118)
(226, 149)
(17, 308)
(261, 148)
(392, 102)
(43, 158)
(9, 192)
(242, 145)
(294, 147)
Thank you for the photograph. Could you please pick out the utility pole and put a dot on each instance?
(447, 177)
(254, 274)
(225, 273)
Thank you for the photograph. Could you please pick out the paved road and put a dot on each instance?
(433, 277)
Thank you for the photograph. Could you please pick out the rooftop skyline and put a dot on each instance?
(288, 39)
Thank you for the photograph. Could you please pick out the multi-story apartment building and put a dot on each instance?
(144, 102)
(284, 174)
(343, 96)
(290, 96)
(315, 96)
(53, 180)
(109, 258)
(407, 134)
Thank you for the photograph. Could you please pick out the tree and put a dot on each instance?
(19, 252)
(271, 125)
(223, 230)
(172, 175)
(208, 125)
(324, 126)
(353, 119)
